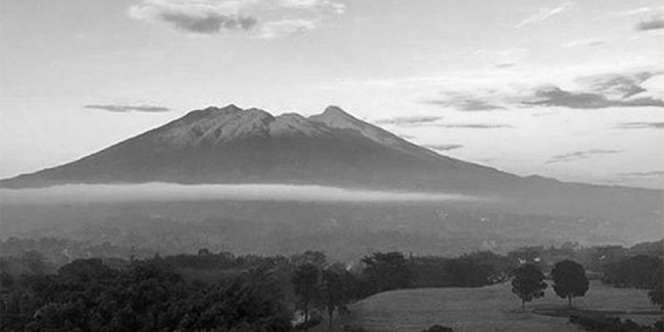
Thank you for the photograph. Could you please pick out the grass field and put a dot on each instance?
(492, 308)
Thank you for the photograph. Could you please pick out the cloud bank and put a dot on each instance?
(260, 18)
(178, 192)
(627, 89)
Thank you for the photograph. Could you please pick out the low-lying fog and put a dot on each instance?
(243, 192)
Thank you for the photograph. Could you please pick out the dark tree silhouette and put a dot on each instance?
(305, 284)
(656, 294)
(387, 271)
(335, 290)
(570, 280)
(528, 283)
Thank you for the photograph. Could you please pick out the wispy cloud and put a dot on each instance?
(647, 174)
(286, 27)
(641, 125)
(544, 14)
(409, 120)
(589, 42)
(654, 23)
(264, 18)
(639, 11)
(128, 108)
(466, 103)
(555, 96)
(642, 88)
(578, 155)
(652, 18)
(473, 125)
(444, 147)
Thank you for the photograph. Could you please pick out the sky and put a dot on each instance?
(567, 89)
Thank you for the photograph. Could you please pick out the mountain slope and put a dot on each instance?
(231, 145)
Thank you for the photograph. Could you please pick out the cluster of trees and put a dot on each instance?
(569, 281)
(641, 271)
(87, 295)
(597, 323)
(596, 259)
(330, 287)
(469, 270)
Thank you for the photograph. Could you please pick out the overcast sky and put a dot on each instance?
(569, 89)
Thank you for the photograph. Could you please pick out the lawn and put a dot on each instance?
(492, 308)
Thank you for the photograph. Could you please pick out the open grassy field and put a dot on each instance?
(492, 308)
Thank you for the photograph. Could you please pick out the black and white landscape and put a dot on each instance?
(481, 172)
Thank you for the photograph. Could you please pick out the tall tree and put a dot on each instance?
(569, 280)
(656, 293)
(334, 290)
(528, 283)
(306, 286)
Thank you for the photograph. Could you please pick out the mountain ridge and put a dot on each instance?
(213, 128)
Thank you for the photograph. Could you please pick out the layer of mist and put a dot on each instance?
(86, 193)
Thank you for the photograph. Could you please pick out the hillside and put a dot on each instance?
(492, 308)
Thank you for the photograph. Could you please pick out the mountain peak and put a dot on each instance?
(335, 110)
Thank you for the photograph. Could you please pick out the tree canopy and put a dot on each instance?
(569, 280)
(528, 283)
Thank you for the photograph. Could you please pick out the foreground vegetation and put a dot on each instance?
(223, 292)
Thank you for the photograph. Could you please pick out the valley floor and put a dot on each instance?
(492, 308)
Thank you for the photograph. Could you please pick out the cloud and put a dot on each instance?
(544, 14)
(210, 23)
(639, 11)
(647, 174)
(555, 96)
(641, 125)
(635, 88)
(444, 147)
(286, 27)
(467, 103)
(505, 65)
(578, 155)
(618, 85)
(590, 42)
(473, 125)
(260, 18)
(654, 23)
(652, 18)
(409, 120)
(129, 108)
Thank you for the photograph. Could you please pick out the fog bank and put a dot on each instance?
(86, 193)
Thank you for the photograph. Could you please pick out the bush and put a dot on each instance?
(438, 328)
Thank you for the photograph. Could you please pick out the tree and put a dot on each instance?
(335, 290)
(305, 284)
(569, 279)
(656, 294)
(387, 271)
(528, 283)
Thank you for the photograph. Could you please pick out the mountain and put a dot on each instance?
(232, 145)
